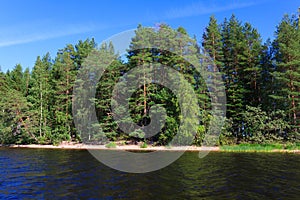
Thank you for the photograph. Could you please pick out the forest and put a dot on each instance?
(261, 80)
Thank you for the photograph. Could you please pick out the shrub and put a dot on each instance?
(111, 145)
(144, 145)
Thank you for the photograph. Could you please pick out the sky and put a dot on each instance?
(32, 28)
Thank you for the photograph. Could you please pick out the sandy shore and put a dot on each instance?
(136, 148)
(122, 147)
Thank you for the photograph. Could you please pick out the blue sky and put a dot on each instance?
(34, 27)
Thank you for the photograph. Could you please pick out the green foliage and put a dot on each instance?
(200, 135)
(262, 86)
(144, 145)
(292, 146)
(259, 127)
(227, 136)
(137, 134)
(173, 47)
(111, 145)
(287, 54)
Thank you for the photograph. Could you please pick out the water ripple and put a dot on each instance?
(75, 174)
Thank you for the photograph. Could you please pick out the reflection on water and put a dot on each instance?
(75, 174)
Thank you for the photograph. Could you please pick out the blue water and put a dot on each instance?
(75, 174)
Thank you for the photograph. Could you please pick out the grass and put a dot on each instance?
(259, 147)
(293, 146)
(111, 145)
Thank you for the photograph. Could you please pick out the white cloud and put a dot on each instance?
(201, 8)
(32, 32)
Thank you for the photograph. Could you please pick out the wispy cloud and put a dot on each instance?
(201, 8)
(32, 32)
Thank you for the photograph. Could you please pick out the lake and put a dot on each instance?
(75, 174)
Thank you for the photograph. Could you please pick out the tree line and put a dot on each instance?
(261, 81)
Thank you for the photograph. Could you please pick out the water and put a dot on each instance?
(75, 174)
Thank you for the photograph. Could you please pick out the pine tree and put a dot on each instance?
(92, 95)
(269, 86)
(212, 43)
(234, 61)
(175, 49)
(26, 81)
(63, 77)
(287, 46)
(18, 124)
(105, 86)
(40, 95)
(15, 78)
(213, 49)
(252, 69)
(83, 49)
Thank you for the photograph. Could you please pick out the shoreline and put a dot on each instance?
(103, 147)
(79, 146)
